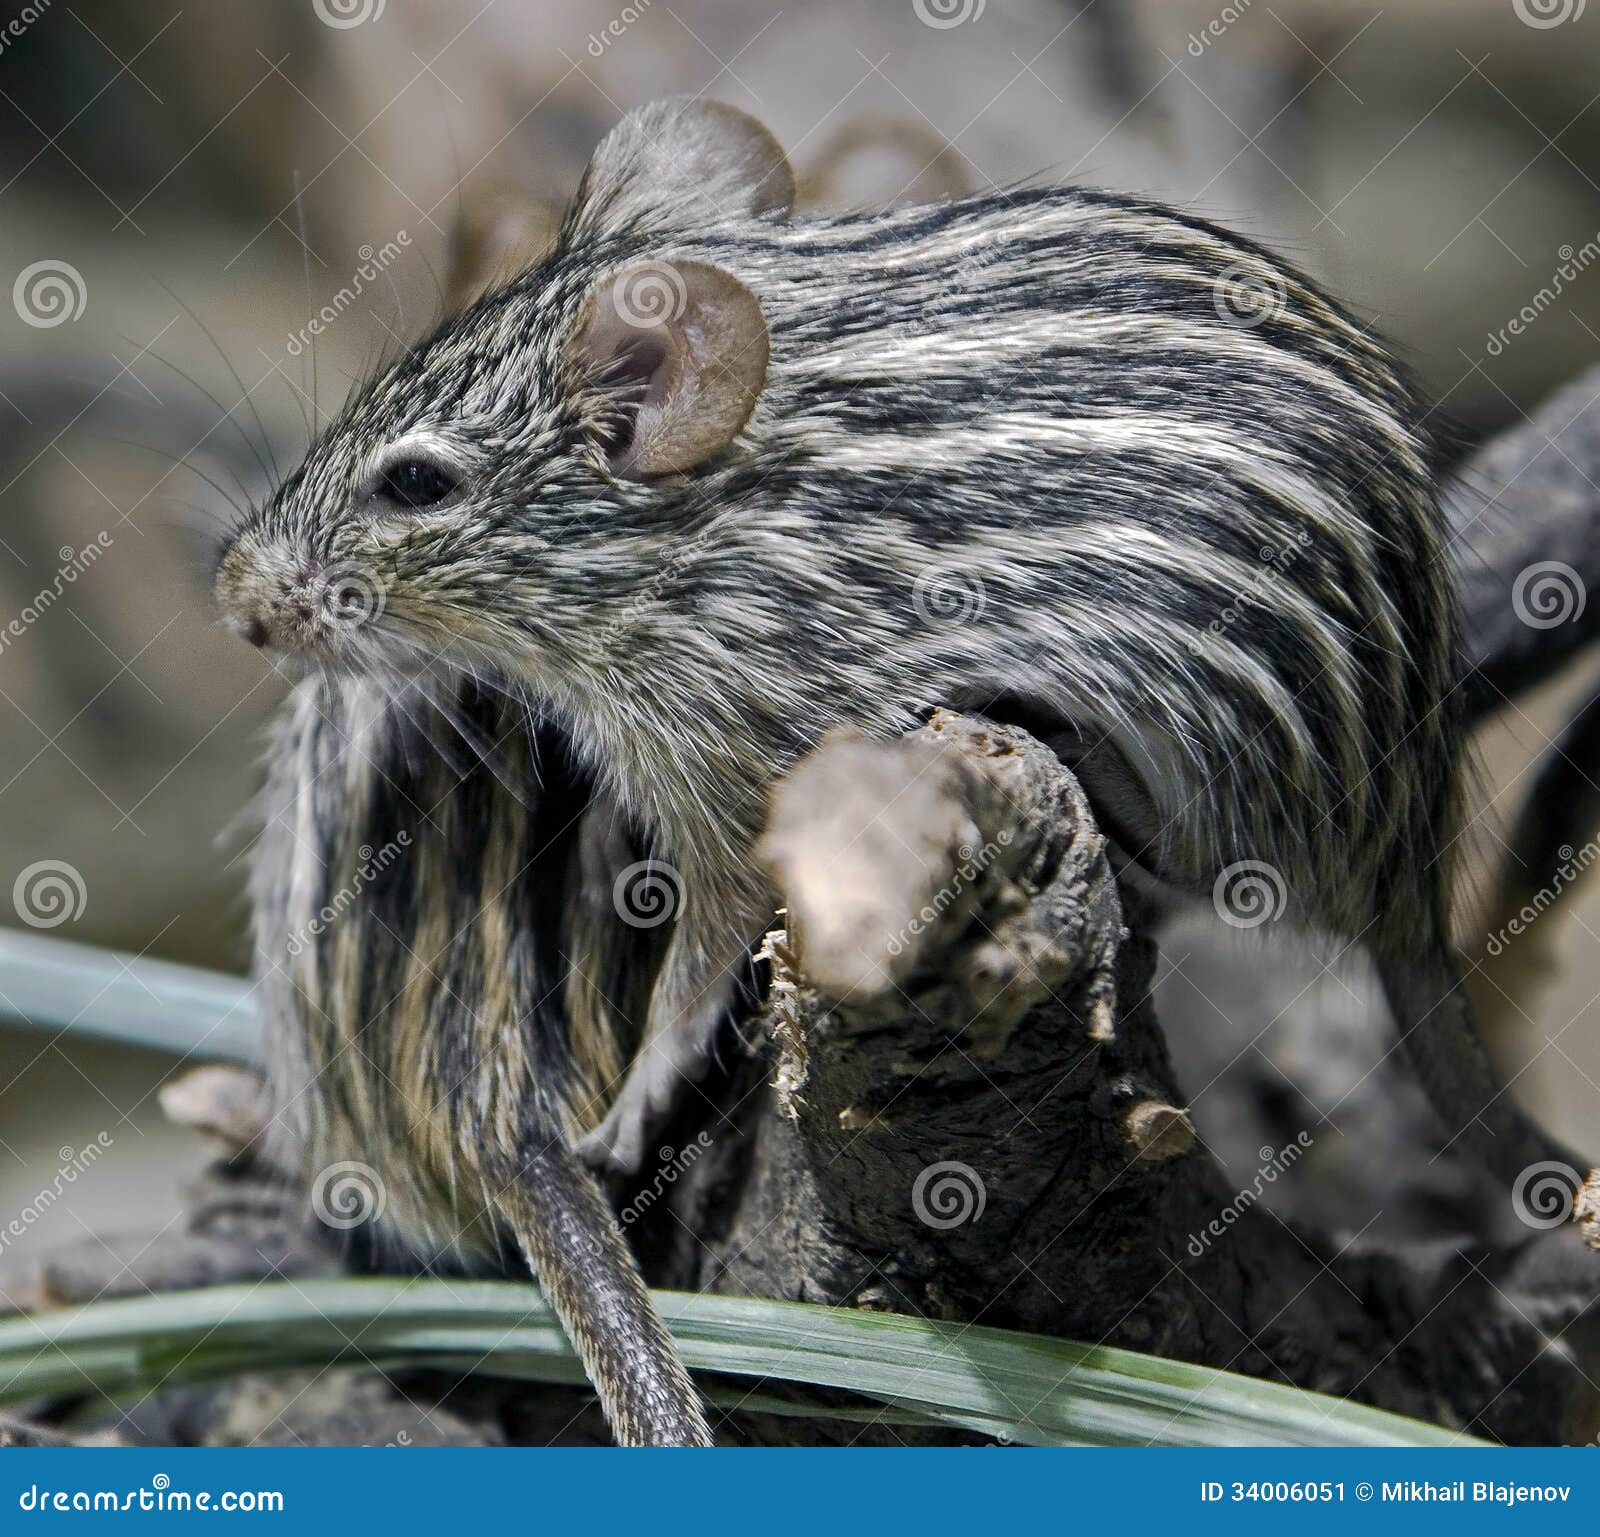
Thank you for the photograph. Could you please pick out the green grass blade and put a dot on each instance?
(54, 984)
(1029, 1389)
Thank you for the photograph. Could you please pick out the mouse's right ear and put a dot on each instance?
(680, 162)
(674, 355)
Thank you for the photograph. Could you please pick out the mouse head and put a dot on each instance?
(501, 493)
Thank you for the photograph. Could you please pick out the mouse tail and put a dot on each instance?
(1549, 1182)
(570, 1238)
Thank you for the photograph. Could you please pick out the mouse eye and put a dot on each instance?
(415, 483)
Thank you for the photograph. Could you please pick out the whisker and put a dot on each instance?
(244, 394)
(305, 259)
(223, 412)
(438, 681)
(438, 287)
(181, 461)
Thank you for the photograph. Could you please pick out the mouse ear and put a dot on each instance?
(679, 352)
(499, 232)
(679, 160)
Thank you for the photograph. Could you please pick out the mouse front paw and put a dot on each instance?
(617, 1145)
(650, 1097)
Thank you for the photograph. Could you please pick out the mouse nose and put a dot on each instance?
(294, 601)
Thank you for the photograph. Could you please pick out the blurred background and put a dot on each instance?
(194, 194)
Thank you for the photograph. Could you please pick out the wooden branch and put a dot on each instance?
(973, 1116)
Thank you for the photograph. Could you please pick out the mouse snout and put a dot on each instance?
(291, 601)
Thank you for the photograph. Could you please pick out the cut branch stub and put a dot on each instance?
(921, 862)
(954, 1096)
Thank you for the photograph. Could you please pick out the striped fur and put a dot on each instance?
(462, 1019)
(1033, 396)
(1205, 549)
